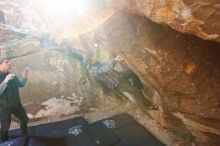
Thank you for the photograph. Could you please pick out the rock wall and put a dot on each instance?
(57, 85)
(180, 73)
(197, 17)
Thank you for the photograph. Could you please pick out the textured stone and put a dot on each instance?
(54, 75)
(196, 17)
(180, 73)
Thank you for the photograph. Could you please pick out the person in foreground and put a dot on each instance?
(10, 102)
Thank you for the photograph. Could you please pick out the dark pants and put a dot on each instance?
(134, 94)
(5, 116)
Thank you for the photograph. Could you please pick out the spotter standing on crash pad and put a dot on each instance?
(9, 98)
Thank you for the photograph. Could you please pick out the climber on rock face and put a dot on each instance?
(124, 82)
(108, 77)
(9, 98)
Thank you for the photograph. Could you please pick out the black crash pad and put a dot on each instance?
(60, 128)
(14, 142)
(71, 129)
(120, 130)
(100, 135)
(17, 132)
(130, 132)
(46, 141)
